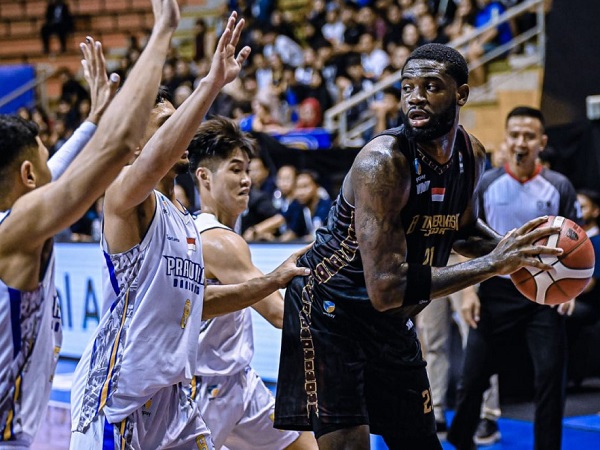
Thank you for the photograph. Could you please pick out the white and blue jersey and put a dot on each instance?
(235, 403)
(147, 338)
(226, 343)
(30, 340)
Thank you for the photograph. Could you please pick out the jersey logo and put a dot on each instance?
(201, 443)
(423, 187)
(328, 306)
(186, 313)
(417, 166)
(437, 194)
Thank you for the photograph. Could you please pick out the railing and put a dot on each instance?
(335, 117)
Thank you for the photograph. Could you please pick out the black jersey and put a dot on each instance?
(438, 197)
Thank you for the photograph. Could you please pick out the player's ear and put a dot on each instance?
(202, 177)
(27, 174)
(462, 94)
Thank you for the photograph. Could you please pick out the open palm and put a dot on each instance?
(225, 65)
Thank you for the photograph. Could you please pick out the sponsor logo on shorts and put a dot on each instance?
(329, 308)
(213, 391)
(146, 408)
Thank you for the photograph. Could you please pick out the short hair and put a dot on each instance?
(163, 95)
(17, 135)
(526, 111)
(215, 141)
(455, 63)
(392, 90)
(592, 194)
(313, 175)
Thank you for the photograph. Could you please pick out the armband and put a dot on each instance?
(418, 285)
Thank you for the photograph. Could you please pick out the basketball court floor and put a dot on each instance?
(581, 424)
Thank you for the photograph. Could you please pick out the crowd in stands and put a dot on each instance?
(303, 62)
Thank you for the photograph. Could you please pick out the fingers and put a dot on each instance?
(243, 55)
(115, 82)
(101, 62)
(237, 31)
(301, 272)
(298, 253)
(533, 223)
(226, 36)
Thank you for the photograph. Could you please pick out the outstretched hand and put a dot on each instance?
(289, 268)
(518, 249)
(225, 65)
(166, 15)
(102, 89)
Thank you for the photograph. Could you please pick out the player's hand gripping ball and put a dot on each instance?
(571, 271)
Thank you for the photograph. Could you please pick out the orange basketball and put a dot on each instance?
(571, 271)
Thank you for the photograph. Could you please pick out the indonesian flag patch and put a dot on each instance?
(191, 243)
(437, 194)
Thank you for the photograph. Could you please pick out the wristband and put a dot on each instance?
(418, 285)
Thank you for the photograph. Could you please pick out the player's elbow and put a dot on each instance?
(381, 298)
(383, 294)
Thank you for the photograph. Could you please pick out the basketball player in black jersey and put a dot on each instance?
(351, 362)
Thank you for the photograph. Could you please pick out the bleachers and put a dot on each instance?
(111, 21)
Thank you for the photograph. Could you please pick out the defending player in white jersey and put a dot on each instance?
(234, 401)
(129, 385)
(34, 209)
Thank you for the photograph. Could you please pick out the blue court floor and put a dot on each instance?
(580, 432)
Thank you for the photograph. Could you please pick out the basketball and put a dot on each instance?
(571, 271)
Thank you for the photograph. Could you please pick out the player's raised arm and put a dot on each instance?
(47, 210)
(102, 91)
(167, 145)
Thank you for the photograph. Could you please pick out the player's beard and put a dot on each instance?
(438, 126)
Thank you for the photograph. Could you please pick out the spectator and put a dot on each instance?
(350, 82)
(463, 22)
(373, 59)
(411, 36)
(261, 219)
(585, 310)
(318, 89)
(489, 11)
(182, 92)
(288, 50)
(262, 119)
(58, 21)
(395, 25)
(308, 211)
(387, 110)
(71, 89)
(285, 186)
(430, 31)
(309, 114)
(399, 56)
(303, 72)
(333, 29)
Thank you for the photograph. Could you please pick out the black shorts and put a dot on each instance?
(345, 364)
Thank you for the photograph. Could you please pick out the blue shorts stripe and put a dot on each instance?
(15, 319)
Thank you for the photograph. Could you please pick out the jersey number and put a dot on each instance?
(427, 407)
(428, 261)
